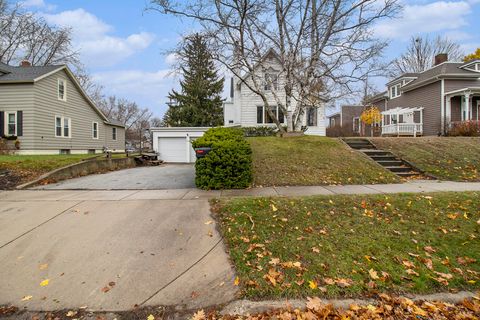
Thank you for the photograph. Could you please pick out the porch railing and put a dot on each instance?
(403, 129)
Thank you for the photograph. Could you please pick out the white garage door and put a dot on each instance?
(173, 149)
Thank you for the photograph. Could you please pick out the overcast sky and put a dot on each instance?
(122, 45)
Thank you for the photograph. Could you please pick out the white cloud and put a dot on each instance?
(37, 4)
(431, 17)
(148, 89)
(171, 58)
(92, 37)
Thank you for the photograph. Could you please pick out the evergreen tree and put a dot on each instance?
(198, 104)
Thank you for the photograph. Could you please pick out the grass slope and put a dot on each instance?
(312, 160)
(449, 158)
(353, 245)
(23, 168)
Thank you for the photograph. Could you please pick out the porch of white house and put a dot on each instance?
(462, 105)
(402, 122)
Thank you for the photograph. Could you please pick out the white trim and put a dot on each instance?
(7, 113)
(64, 82)
(463, 89)
(397, 88)
(62, 127)
(93, 130)
(442, 105)
(263, 116)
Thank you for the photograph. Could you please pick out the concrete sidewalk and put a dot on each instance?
(195, 194)
(110, 255)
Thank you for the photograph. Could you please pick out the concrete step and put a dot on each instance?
(362, 147)
(390, 162)
(408, 174)
(377, 153)
(399, 169)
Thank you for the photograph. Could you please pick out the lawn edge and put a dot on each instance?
(244, 307)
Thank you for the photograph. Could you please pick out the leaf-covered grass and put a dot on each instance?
(312, 160)
(448, 158)
(353, 245)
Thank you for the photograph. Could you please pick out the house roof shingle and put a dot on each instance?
(24, 74)
(442, 70)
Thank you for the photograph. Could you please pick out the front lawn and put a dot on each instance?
(17, 169)
(312, 160)
(335, 246)
(448, 158)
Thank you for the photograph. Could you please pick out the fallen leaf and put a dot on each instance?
(274, 209)
(236, 282)
(44, 283)
(429, 249)
(408, 264)
(312, 284)
(26, 298)
(209, 222)
(43, 266)
(105, 289)
(314, 304)
(412, 272)
(199, 315)
(373, 274)
(71, 313)
(151, 317)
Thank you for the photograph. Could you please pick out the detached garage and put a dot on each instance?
(175, 144)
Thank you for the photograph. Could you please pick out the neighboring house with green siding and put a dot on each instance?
(49, 113)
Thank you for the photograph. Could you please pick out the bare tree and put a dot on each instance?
(420, 54)
(324, 47)
(25, 36)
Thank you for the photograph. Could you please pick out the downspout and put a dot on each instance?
(442, 106)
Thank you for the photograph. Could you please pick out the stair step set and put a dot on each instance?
(384, 158)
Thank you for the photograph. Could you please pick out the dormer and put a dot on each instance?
(473, 65)
(394, 86)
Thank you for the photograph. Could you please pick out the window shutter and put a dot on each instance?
(19, 123)
(2, 123)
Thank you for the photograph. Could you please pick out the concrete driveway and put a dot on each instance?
(168, 176)
(109, 254)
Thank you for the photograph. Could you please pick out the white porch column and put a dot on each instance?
(448, 113)
(467, 106)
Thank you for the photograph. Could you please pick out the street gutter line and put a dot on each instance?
(181, 274)
(41, 224)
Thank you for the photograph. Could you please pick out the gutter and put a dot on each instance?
(439, 77)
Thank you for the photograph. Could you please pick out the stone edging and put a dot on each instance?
(80, 169)
(244, 307)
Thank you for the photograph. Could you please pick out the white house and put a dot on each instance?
(246, 108)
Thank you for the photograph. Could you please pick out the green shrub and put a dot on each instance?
(228, 165)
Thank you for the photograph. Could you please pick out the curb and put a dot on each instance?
(247, 307)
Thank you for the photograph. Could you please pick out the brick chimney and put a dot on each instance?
(25, 64)
(441, 58)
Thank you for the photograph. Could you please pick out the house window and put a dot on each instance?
(263, 117)
(356, 124)
(62, 90)
(332, 122)
(11, 123)
(114, 133)
(312, 117)
(395, 91)
(271, 80)
(95, 130)
(62, 127)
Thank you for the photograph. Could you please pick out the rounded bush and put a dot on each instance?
(228, 165)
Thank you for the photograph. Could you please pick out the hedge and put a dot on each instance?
(228, 165)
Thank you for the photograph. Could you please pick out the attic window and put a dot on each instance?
(271, 80)
(62, 90)
(395, 91)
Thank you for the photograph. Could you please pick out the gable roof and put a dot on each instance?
(32, 74)
(443, 70)
(24, 74)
